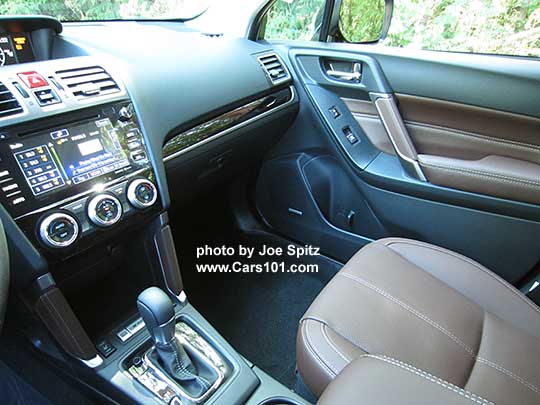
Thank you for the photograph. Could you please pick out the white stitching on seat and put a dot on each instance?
(509, 374)
(332, 345)
(439, 381)
(413, 311)
(318, 358)
(389, 241)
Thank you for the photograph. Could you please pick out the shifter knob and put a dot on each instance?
(157, 312)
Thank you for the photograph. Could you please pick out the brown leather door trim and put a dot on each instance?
(467, 118)
(465, 147)
(495, 124)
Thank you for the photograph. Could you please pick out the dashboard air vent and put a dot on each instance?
(87, 82)
(274, 68)
(8, 103)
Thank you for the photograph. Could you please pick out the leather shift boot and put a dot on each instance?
(174, 360)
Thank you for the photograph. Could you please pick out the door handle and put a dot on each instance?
(347, 76)
(355, 75)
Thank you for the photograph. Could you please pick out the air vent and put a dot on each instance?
(88, 82)
(274, 68)
(213, 34)
(8, 104)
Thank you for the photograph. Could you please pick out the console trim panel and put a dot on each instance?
(207, 132)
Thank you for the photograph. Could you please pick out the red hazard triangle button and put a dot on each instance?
(32, 79)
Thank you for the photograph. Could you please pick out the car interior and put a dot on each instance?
(157, 181)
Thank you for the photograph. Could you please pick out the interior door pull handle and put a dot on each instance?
(346, 76)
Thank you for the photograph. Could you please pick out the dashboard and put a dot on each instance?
(93, 131)
(101, 123)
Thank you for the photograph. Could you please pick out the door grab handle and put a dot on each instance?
(347, 76)
(353, 76)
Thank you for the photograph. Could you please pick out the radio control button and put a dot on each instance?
(141, 193)
(104, 210)
(58, 230)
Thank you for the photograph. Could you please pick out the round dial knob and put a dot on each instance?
(58, 230)
(141, 193)
(104, 210)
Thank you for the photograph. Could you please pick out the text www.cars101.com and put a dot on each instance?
(267, 267)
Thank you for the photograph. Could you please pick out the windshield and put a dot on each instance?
(81, 10)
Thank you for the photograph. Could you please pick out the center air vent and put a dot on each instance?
(274, 68)
(8, 104)
(87, 82)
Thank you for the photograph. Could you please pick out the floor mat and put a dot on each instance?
(15, 391)
(258, 313)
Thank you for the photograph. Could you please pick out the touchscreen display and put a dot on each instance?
(15, 48)
(76, 154)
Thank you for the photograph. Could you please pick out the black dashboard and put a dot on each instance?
(104, 128)
(97, 126)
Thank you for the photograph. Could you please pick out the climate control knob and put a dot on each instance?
(58, 230)
(141, 193)
(104, 210)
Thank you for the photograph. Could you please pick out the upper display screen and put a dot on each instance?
(78, 153)
(15, 48)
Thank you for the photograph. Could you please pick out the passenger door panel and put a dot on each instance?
(476, 190)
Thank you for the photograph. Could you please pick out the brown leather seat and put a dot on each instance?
(420, 324)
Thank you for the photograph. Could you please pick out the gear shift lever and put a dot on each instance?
(157, 312)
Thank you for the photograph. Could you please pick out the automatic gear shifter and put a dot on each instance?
(157, 312)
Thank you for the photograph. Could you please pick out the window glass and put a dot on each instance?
(294, 19)
(508, 27)
(81, 10)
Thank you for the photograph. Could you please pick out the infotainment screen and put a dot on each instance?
(78, 153)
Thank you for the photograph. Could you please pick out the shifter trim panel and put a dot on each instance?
(164, 387)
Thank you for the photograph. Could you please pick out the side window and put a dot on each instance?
(505, 27)
(293, 20)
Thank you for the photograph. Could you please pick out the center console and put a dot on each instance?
(78, 181)
(67, 178)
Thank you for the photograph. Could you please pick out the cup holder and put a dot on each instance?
(279, 401)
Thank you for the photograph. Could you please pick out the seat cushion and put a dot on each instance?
(365, 381)
(428, 307)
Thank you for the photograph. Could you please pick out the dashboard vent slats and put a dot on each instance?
(88, 81)
(274, 68)
(8, 103)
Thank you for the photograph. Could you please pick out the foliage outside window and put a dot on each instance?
(294, 19)
(361, 20)
(79, 10)
(510, 27)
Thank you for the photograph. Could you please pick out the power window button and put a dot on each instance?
(334, 112)
(351, 137)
